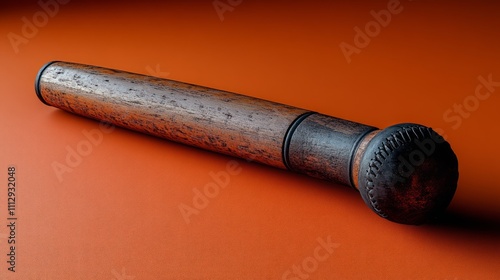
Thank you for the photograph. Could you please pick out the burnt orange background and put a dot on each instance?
(116, 214)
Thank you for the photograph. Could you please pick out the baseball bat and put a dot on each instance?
(405, 173)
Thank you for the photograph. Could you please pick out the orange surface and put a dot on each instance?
(116, 213)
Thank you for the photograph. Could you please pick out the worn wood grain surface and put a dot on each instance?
(233, 124)
(211, 119)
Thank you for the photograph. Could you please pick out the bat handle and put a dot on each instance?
(405, 173)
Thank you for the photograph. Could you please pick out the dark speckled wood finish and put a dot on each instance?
(270, 133)
(215, 120)
(211, 119)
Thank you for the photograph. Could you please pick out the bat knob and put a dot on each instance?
(408, 174)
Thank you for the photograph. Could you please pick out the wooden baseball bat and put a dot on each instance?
(406, 173)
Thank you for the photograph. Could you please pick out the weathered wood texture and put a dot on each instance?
(318, 145)
(211, 119)
(325, 147)
(274, 134)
